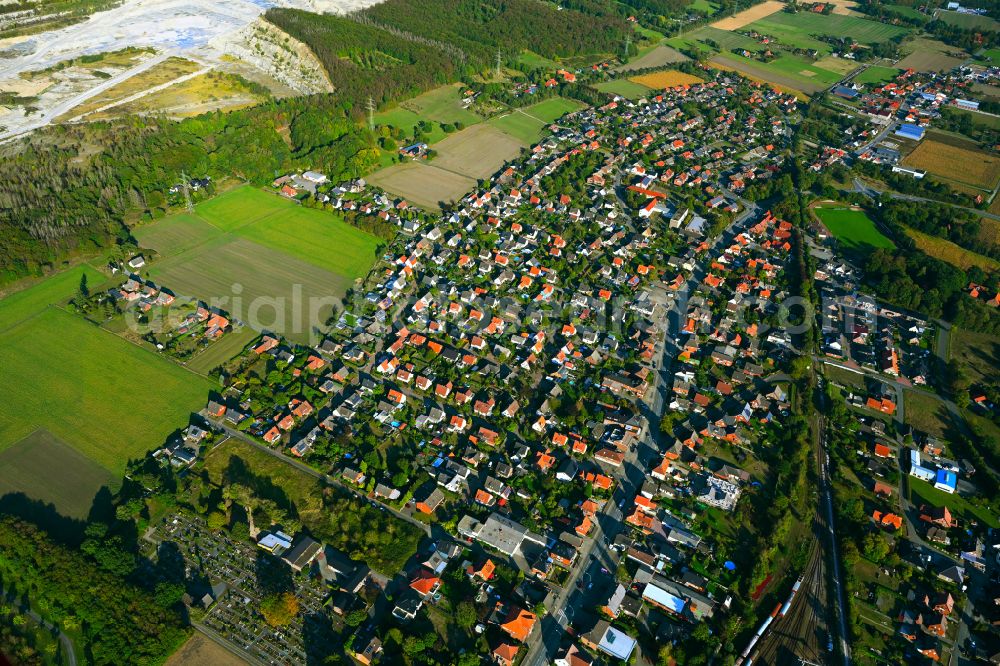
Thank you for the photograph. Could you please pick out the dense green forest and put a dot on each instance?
(17, 639)
(479, 28)
(104, 610)
(363, 60)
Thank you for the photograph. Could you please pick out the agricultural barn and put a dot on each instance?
(910, 131)
(845, 92)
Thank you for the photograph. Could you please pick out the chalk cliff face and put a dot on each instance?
(209, 33)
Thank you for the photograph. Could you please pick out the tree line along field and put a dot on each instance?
(263, 249)
(334, 515)
(79, 402)
(951, 253)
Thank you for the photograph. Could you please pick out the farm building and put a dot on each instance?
(845, 92)
(910, 131)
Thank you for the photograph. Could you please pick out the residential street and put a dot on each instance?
(542, 645)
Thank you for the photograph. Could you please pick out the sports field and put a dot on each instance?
(853, 228)
(108, 399)
(277, 257)
(877, 74)
(623, 88)
(423, 184)
(48, 470)
(666, 79)
(956, 159)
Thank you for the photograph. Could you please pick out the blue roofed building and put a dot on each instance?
(946, 480)
(910, 131)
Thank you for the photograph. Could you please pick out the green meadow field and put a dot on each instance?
(797, 29)
(259, 247)
(536, 61)
(553, 108)
(624, 88)
(527, 124)
(238, 207)
(969, 21)
(54, 289)
(46, 469)
(853, 228)
(726, 40)
(440, 105)
(104, 397)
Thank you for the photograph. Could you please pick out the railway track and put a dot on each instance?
(800, 634)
